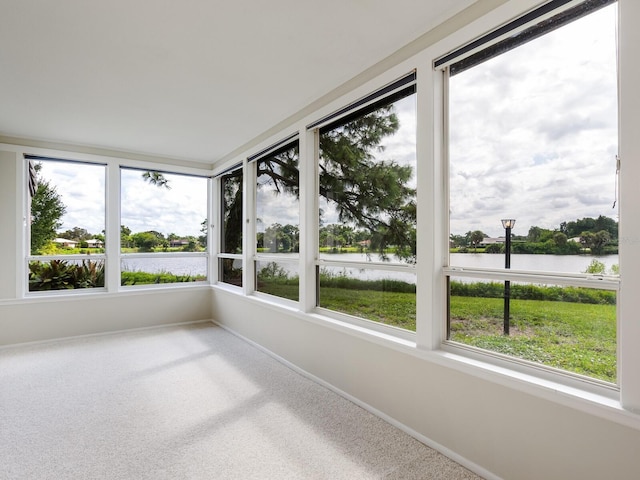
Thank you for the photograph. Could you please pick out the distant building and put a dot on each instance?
(490, 241)
(65, 242)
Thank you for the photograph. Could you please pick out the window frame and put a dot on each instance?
(29, 257)
(440, 72)
(376, 98)
(287, 143)
(123, 256)
(220, 217)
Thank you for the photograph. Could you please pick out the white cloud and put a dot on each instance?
(534, 131)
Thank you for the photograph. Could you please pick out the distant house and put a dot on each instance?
(178, 242)
(94, 243)
(65, 242)
(490, 241)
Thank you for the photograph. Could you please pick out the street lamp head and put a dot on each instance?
(508, 222)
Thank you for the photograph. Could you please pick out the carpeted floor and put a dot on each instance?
(188, 402)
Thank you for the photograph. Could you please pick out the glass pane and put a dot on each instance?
(162, 212)
(533, 137)
(230, 271)
(368, 184)
(378, 295)
(231, 204)
(144, 271)
(68, 208)
(278, 278)
(277, 203)
(65, 274)
(571, 328)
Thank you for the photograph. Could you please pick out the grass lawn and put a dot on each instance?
(577, 337)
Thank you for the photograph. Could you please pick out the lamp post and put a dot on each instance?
(508, 224)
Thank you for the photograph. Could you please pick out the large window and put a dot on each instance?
(533, 138)
(66, 225)
(278, 221)
(367, 210)
(230, 255)
(163, 227)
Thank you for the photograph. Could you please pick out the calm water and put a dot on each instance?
(550, 263)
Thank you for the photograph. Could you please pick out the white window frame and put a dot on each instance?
(407, 79)
(28, 258)
(439, 85)
(160, 255)
(253, 254)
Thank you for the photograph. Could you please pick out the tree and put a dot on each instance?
(76, 233)
(476, 237)
(125, 236)
(595, 241)
(367, 193)
(47, 211)
(560, 239)
(156, 178)
(147, 241)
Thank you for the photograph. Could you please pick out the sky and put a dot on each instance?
(533, 136)
(533, 132)
(180, 209)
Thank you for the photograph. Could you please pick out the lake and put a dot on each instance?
(550, 263)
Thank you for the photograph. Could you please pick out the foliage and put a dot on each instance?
(342, 281)
(534, 292)
(76, 233)
(476, 237)
(146, 278)
(231, 241)
(593, 225)
(595, 241)
(368, 194)
(156, 178)
(147, 241)
(62, 275)
(47, 210)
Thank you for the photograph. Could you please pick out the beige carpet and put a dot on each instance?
(188, 402)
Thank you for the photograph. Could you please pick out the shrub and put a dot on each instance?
(61, 275)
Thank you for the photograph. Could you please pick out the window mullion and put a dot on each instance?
(112, 228)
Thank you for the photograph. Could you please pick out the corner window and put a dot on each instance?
(533, 223)
(163, 227)
(230, 255)
(66, 225)
(367, 211)
(278, 222)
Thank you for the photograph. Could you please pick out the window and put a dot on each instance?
(533, 138)
(163, 227)
(367, 209)
(277, 221)
(67, 224)
(230, 256)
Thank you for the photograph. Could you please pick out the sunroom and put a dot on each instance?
(320, 182)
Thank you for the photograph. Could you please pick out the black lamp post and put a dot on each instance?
(508, 224)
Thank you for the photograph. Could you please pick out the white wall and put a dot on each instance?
(36, 320)
(505, 431)
(8, 223)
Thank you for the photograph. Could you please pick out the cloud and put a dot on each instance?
(533, 132)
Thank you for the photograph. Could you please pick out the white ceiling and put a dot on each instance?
(187, 79)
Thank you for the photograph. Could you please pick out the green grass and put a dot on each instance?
(391, 308)
(146, 278)
(568, 328)
(576, 337)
